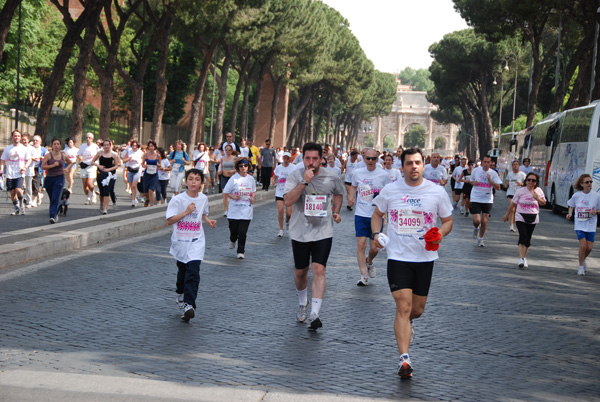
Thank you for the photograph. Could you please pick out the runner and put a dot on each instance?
(241, 188)
(367, 183)
(54, 164)
(226, 170)
(38, 154)
(88, 172)
(266, 162)
(413, 206)
(150, 163)
(435, 172)
(107, 163)
(389, 168)
(17, 159)
(178, 158)
(458, 185)
(188, 210)
(350, 165)
(331, 165)
(526, 202)
(71, 152)
(164, 172)
(525, 168)
(281, 174)
(483, 179)
(585, 204)
(201, 160)
(514, 180)
(465, 178)
(133, 159)
(311, 190)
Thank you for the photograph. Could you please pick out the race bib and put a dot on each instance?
(245, 191)
(409, 221)
(281, 180)
(151, 169)
(365, 193)
(584, 213)
(176, 166)
(315, 205)
(201, 165)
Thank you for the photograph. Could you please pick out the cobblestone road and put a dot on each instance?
(489, 331)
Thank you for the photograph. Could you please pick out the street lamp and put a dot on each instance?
(516, 56)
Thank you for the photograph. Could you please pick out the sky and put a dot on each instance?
(396, 34)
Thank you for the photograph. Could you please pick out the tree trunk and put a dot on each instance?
(195, 120)
(329, 112)
(6, 16)
(161, 76)
(238, 91)
(304, 97)
(486, 136)
(79, 77)
(246, 102)
(275, 103)
(222, 86)
(53, 83)
(260, 79)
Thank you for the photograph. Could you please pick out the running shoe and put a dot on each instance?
(405, 367)
(521, 263)
(21, 211)
(466, 213)
(225, 213)
(480, 242)
(475, 232)
(314, 322)
(525, 263)
(88, 201)
(280, 234)
(581, 271)
(240, 256)
(371, 270)
(302, 314)
(363, 281)
(188, 313)
(232, 245)
(179, 300)
(513, 228)
(15, 211)
(94, 200)
(52, 221)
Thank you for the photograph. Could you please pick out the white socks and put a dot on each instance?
(315, 306)
(302, 296)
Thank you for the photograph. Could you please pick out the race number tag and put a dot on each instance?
(315, 205)
(409, 221)
(365, 193)
(584, 213)
(176, 166)
(201, 165)
(151, 169)
(245, 191)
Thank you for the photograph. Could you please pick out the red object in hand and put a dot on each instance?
(432, 235)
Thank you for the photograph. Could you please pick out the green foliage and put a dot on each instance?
(415, 136)
(389, 142)
(369, 141)
(91, 114)
(440, 143)
(418, 79)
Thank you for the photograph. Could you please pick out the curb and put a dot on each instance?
(95, 232)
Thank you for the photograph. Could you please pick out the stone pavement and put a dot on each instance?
(101, 323)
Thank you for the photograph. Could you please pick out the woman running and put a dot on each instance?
(465, 177)
(213, 162)
(134, 172)
(107, 161)
(178, 158)
(226, 170)
(201, 161)
(54, 164)
(164, 171)
(71, 152)
(150, 162)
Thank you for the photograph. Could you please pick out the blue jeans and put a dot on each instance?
(54, 186)
(188, 280)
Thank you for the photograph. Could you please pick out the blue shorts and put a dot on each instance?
(14, 184)
(589, 236)
(362, 226)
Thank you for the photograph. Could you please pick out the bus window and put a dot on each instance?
(551, 132)
(577, 125)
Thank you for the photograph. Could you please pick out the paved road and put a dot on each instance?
(101, 324)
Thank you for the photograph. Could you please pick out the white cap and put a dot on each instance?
(286, 154)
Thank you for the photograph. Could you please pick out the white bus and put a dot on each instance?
(575, 149)
(510, 148)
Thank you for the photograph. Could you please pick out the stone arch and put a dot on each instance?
(408, 142)
(390, 142)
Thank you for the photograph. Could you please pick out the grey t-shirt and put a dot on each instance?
(267, 155)
(305, 228)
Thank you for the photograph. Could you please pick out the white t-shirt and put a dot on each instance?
(335, 169)
(456, 174)
(87, 152)
(187, 240)
(164, 174)
(282, 173)
(411, 212)
(244, 187)
(512, 179)
(397, 163)
(582, 204)
(368, 187)
(350, 166)
(202, 161)
(71, 153)
(526, 170)
(135, 160)
(244, 151)
(394, 174)
(482, 191)
(298, 159)
(15, 158)
(435, 174)
(33, 152)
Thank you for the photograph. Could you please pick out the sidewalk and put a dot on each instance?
(31, 237)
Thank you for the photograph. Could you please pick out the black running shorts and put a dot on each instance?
(480, 208)
(410, 275)
(319, 250)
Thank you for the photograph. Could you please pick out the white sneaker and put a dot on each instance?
(581, 271)
(240, 256)
(521, 263)
(513, 228)
(302, 314)
(371, 270)
(34, 204)
(188, 313)
(225, 213)
(475, 232)
(15, 211)
(462, 210)
(94, 200)
(231, 245)
(363, 281)
(88, 201)
(480, 242)
(525, 263)
(179, 300)
(280, 234)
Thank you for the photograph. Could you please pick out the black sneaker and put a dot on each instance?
(314, 322)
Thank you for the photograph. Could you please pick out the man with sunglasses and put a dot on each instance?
(367, 183)
(483, 179)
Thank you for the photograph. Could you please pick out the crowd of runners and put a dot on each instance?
(400, 203)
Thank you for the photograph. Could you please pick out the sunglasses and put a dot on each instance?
(587, 182)
(243, 165)
(533, 180)
(371, 158)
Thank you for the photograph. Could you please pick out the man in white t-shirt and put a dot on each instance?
(349, 167)
(367, 183)
(514, 180)
(85, 155)
(413, 206)
(458, 185)
(525, 168)
(483, 179)
(15, 159)
(435, 172)
(281, 174)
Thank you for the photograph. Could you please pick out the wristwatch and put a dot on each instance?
(373, 235)
(304, 182)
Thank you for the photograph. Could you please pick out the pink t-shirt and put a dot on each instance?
(526, 204)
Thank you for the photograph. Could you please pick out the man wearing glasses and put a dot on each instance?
(367, 183)
(229, 141)
(483, 179)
